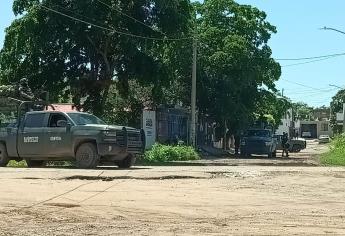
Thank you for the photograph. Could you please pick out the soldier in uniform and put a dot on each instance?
(285, 144)
(24, 91)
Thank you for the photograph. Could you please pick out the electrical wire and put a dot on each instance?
(75, 13)
(308, 62)
(309, 58)
(114, 30)
(303, 85)
(130, 17)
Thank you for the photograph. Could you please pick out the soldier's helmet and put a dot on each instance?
(24, 81)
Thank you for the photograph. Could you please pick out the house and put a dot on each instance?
(316, 128)
(166, 125)
(286, 124)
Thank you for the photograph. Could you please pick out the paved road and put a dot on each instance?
(237, 197)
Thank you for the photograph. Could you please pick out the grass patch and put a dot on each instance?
(15, 164)
(336, 154)
(166, 153)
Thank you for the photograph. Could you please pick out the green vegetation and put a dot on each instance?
(167, 153)
(336, 155)
(337, 106)
(115, 75)
(15, 164)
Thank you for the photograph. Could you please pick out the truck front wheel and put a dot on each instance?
(3, 155)
(87, 156)
(127, 162)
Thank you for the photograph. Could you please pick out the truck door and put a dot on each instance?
(31, 136)
(58, 138)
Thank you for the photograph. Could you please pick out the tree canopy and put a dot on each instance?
(337, 106)
(122, 55)
(50, 41)
(234, 60)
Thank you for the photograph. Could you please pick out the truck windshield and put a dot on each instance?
(258, 133)
(85, 119)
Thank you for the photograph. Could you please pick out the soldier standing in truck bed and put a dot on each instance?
(24, 91)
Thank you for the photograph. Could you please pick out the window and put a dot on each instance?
(34, 120)
(54, 118)
(258, 133)
(324, 127)
(85, 119)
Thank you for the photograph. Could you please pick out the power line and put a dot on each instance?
(310, 93)
(309, 58)
(308, 62)
(130, 17)
(83, 16)
(303, 85)
(114, 30)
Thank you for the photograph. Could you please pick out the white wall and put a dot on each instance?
(286, 123)
(149, 126)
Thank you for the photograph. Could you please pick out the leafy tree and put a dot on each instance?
(302, 111)
(336, 107)
(43, 44)
(234, 60)
(270, 108)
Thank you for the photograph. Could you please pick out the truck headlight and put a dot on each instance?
(109, 133)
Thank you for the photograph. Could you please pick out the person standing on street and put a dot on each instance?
(285, 144)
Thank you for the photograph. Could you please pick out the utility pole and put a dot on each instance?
(344, 118)
(193, 97)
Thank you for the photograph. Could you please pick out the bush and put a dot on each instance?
(15, 164)
(336, 155)
(166, 153)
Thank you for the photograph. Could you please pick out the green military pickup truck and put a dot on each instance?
(295, 145)
(41, 136)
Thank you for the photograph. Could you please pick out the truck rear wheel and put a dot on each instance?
(87, 156)
(127, 162)
(34, 163)
(296, 148)
(3, 155)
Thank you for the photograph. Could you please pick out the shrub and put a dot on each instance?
(336, 155)
(166, 153)
(15, 164)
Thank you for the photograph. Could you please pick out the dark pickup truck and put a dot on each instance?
(41, 136)
(258, 141)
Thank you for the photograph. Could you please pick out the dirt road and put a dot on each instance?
(240, 197)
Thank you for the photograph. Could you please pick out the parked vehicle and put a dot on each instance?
(306, 134)
(258, 141)
(41, 136)
(324, 139)
(295, 145)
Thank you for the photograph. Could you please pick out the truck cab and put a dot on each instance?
(258, 141)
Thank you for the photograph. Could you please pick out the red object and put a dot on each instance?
(62, 107)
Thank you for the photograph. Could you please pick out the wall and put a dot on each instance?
(322, 127)
(286, 124)
(149, 126)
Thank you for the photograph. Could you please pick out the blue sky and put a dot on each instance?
(298, 24)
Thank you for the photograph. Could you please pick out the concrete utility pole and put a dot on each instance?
(193, 97)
